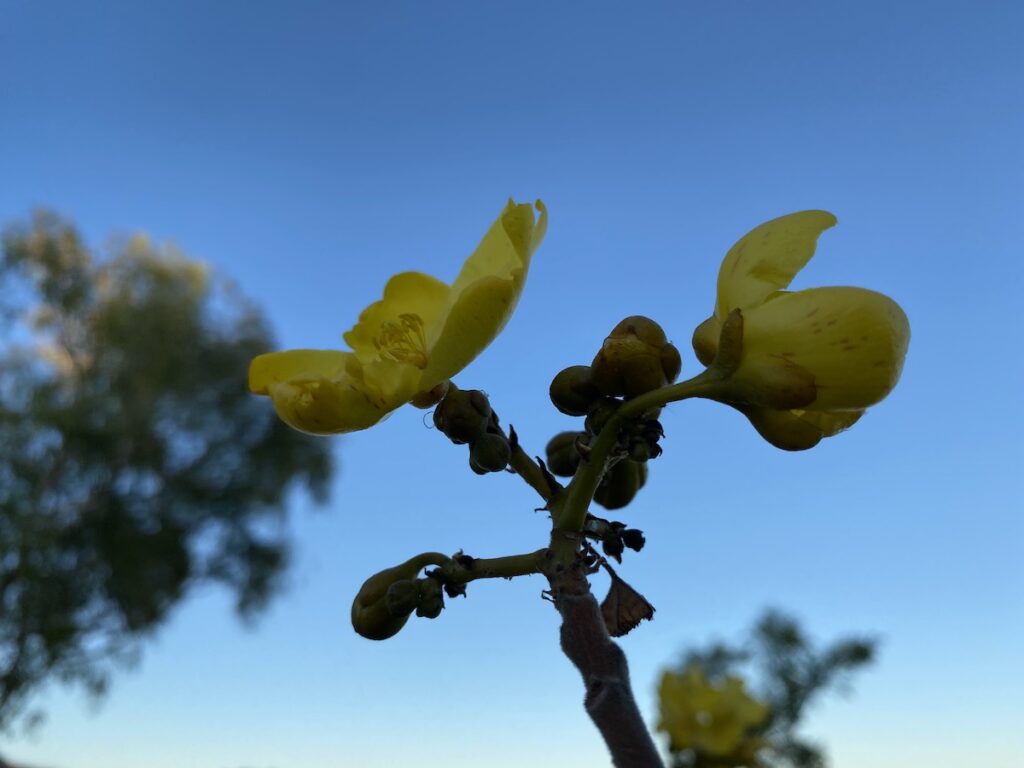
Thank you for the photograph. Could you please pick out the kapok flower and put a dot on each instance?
(421, 333)
(811, 361)
(713, 719)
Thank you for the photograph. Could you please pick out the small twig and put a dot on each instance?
(530, 470)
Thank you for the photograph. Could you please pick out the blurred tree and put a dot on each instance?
(134, 464)
(713, 722)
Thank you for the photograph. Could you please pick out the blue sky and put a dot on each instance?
(314, 150)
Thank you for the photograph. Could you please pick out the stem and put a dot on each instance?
(530, 471)
(592, 468)
(454, 572)
(609, 697)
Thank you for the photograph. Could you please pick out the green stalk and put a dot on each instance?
(453, 572)
(580, 491)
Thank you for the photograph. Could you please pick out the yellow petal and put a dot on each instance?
(705, 339)
(324, 407)
(798, 430)
(277, 367)
(486, 291)
(766, 259)
(506, 249)
(477, 317)
(830, 423)
(406, 294)
(744, 707)
(678, 715)
(313, 391)
(851, 340)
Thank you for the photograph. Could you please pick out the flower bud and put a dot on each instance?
(671, 362)
(387, 599)
(431, 599)
(572, 390)
(563, 458)
(463, 414)
(402, 597)
(630, 361)
(633, 538)
(620, 484)
(490, 452)
(640, 450)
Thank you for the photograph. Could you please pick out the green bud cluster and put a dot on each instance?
(465, 416)
(387, 599)
(634, 359)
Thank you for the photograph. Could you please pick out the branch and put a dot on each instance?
(462, 569)
(609, 698)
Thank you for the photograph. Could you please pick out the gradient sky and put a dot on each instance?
(310, 150)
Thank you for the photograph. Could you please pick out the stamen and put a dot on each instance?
(404, 341)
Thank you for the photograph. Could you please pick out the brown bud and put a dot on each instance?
(572, 390)
(630, 360)
(463, 414)
(489, 453)
(562, 456)
(643, 328)
(621, 484)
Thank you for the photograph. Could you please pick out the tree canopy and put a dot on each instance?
(134, 465)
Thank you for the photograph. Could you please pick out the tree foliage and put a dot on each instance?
(134, 465)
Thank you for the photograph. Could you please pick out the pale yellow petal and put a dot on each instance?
(324, 406)
(798, 430)
(830, 423)
(485, 292)
(506, 248)
(388, 383)
(705, 339)
(766, 259)
(851, 340)
(315, 391)
(276, 367)
(478, 315)
(406, 294)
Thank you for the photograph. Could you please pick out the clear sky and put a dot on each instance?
(312, 149)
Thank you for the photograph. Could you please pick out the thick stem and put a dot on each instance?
(609, 697)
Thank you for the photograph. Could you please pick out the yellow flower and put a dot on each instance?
(811, 360)
(714, 719)
(421, 333)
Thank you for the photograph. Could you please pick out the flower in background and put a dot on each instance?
(812, 361)
(422, 332)
(707, 718)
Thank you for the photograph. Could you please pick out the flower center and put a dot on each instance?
(403, 341)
